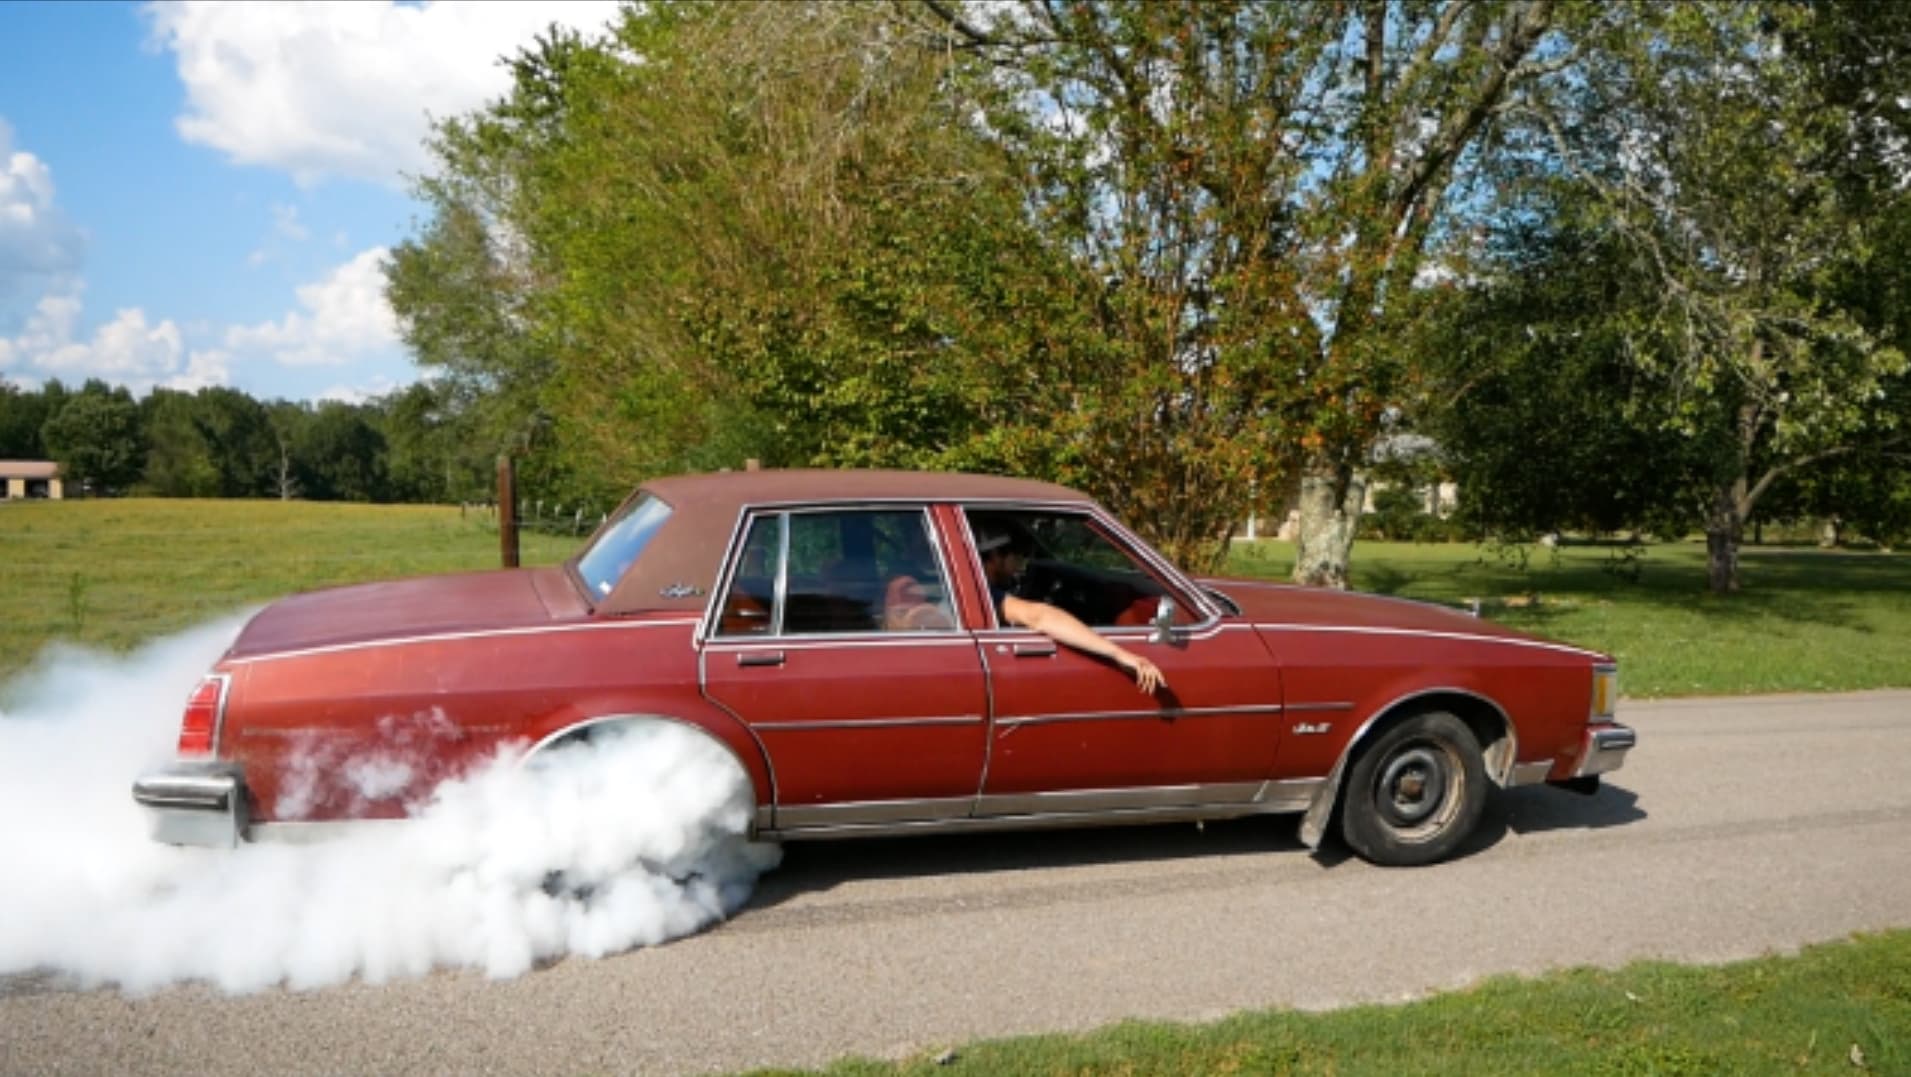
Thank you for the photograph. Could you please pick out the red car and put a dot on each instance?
(834, 632)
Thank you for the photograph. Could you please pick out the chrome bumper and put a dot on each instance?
(1604, 749)
(195, 803)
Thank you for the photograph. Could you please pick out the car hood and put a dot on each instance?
(393, 609)
(1290, 605)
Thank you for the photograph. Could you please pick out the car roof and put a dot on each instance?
(739, 488)
(678, 569)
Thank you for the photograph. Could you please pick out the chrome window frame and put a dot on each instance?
(1172, 579)
(707, 629)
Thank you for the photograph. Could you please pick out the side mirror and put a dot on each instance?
(1164, 621)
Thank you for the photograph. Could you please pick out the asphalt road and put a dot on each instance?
(1738, 827)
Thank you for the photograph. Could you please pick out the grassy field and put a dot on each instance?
(114, 573)
(1807, 620)
(1839, 1008)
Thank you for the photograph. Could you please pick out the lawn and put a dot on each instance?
(114, 573)
(1839, 1008)
(1807, 620)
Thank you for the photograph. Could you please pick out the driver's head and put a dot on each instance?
(1003, 552)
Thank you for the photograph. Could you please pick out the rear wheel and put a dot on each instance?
(1415, 793)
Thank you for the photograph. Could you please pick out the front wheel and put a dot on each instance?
(1416, 793)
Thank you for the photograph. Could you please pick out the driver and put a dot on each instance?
(1003, 558)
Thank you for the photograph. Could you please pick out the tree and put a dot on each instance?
(22, 414)
(1713, 155)
(96, 439)
(1255, 187)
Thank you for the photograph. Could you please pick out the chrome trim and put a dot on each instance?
(807, 642)
(1428, 633)
(1605, 749)
(867, 812)
(1298, 708)
(972, 824)
(1164, 713)
(867, 723)
(195, 802)
(441, 637)
(1122, 538)
(781, 596)
(1077, 801)
(1528, 773)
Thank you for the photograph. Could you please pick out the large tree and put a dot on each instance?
(1719, 164)
(1255, 188)
(96, 438)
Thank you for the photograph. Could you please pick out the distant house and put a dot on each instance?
(29, 479)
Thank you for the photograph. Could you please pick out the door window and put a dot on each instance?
(1070, 563)
(863, 570)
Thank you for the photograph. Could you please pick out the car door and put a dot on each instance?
(834, 638)
(1070, 731)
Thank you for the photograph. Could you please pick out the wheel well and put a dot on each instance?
(1488, 723)
(581, 732)
(1482, 716)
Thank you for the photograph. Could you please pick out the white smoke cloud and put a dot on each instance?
(630, 841)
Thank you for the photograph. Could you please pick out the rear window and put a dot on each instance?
(618, 545)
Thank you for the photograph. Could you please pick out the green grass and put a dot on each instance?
(113, 574)
(1799, 1014)
(1806, 620)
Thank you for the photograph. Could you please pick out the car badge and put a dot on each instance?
(681, 590)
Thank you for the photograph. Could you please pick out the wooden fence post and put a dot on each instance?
(507, 512)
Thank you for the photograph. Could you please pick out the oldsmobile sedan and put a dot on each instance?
(835, 633)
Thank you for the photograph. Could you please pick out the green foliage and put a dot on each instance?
(95, 437)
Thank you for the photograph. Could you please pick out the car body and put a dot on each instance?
(834, 632)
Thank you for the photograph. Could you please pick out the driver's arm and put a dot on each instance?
(1062, 627)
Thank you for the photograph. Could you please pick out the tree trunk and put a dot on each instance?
(1331, 499)
(1724, 529)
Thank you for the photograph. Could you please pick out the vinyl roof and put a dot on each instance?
(758, 487)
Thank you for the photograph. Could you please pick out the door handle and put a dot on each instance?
(760, 658)
(1034, 650)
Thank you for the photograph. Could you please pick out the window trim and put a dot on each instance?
(1172, 580)
(707, 631)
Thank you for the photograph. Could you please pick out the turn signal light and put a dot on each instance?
(199, 729)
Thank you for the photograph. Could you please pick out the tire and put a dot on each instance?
(1415, 793)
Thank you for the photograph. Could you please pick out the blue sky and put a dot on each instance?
(202, 193)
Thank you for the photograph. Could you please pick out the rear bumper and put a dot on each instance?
(195, 803)
(1604, 749)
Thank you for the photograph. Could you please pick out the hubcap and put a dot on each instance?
(1413, 785)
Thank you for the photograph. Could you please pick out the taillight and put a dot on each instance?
(199, 729)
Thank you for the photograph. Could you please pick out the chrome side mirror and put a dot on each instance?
(1164, 621)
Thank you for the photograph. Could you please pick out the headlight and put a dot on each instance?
(1605, 693)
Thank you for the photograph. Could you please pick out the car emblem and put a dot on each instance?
(681, 590)
(1305, 728)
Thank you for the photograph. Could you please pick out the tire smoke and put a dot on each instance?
(633, 839)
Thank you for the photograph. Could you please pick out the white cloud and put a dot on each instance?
(344, 89)
(285, 222)
(129, 350)
(36, 240)
(343, 317)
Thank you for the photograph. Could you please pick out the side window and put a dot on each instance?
(848, 571)
(1069, 563)
(749, 606)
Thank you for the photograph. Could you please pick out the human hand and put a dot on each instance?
(1148, 676)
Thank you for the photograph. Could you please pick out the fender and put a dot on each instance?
(1500, 751)
(713, 723)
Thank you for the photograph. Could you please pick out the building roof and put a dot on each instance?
(29, 469)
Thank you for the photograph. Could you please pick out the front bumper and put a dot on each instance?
(195, 802)
(1604, 749)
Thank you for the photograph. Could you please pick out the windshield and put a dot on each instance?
(618, 545)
